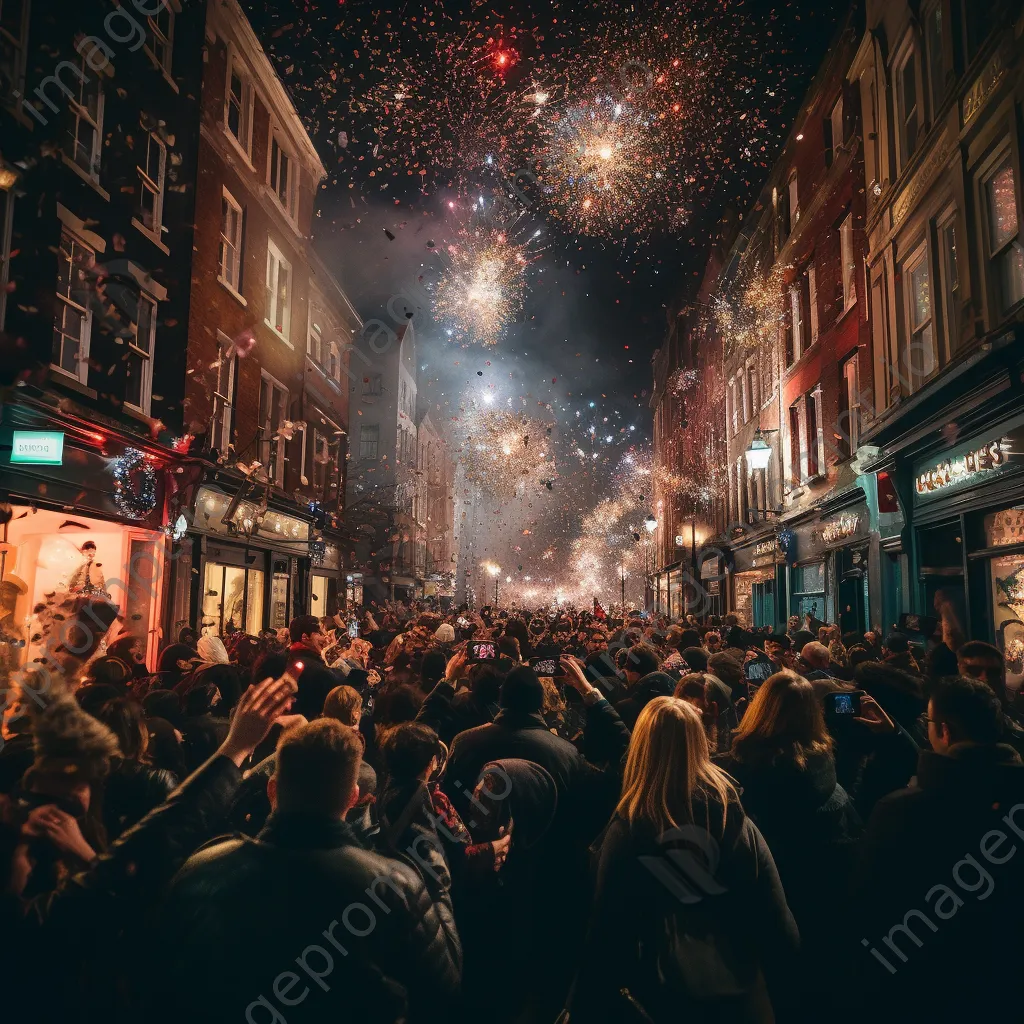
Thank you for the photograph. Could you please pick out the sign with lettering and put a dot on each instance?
(984, 85)
(766, 552)
(840, 529)
(38, 447)
(968, 468)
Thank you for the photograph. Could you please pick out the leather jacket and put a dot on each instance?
(242, 910)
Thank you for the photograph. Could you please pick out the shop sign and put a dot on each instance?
(714, 588)
(38, 447)
(839, 529)
(766, 552)
(1005, 527)
(963, 468)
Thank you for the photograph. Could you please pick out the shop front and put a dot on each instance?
(755, 581)
(968, 540)
(253, 565)
(325, 592)
(83, 518)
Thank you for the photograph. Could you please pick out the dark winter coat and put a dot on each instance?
(936, 859)
(315, 681)
(131, 791)
(693, 937)
(654, 684)
(240, 912)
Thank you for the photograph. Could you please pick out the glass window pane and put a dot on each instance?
(254, 608)
(1008, 606)
(1011, 267)
(279, 600)
(920, 295)
(1002, 206)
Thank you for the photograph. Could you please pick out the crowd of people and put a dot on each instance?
(403, 813)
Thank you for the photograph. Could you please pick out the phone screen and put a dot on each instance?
(353, 629)
(483, 650)
(844, 703)
(545, 666)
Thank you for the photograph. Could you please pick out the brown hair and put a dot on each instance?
(784, 722)
(344, 704)
(317, 767)
(668, 761)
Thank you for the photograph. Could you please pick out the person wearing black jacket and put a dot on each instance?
(251, 925)
(689, 918)
(316, 680)
(938, 889)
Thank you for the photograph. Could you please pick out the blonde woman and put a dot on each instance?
(689, 920)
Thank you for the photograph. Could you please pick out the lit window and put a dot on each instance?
(73, 319)
(908, 106)
(918, 360)
(224, 394)
(279, 279)
(152, 168)
(812, 300)
(273, 413)
(316, 343)
(849, 261)
(1005, 254)
(230, 261)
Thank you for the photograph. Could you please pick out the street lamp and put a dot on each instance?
(495, 570)
(650, 523)
(759, 454)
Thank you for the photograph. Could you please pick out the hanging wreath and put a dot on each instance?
(134, 484)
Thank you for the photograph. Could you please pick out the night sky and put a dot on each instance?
(595, 291)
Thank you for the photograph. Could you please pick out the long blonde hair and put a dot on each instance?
(668, 761)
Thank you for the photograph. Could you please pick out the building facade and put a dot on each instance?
(183, 408)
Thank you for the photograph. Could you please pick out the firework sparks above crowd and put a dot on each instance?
(507, 453)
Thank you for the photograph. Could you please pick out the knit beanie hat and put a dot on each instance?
(445, 633)
(522, 691)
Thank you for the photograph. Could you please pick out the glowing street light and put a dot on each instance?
(650, 523)
(759, 454)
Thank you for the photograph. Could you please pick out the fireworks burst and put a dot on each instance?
(751, 318)
(483, 288)
(507, 453)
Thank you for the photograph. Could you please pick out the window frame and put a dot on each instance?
(20, 48)
(82, 376)
(276, 260)
(246, 104)
(849, 396)
(796, 315)
(229, 203)
(792, 202)
(920, 256)
(166, 40)
(365, 441)
(77, 112)
(284, 155)
(158, 189)
(837, 140)
(847, 262)
(812, 301)
(908, 53)
(949, 270)
(145, 354)
(373, 385)
(274, 453)
(935, 91)
(1004, 157)
(224, 393)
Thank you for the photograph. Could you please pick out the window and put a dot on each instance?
(281, 174)
(796, 448)
(1005, 255)
(160, 42)
(224, 395)
(84, 139)
(741, 492)
(815, 461)
(13, 30)
(950, 282)
(918, 360)
(333, 363)
(849, 262)
(753, 392)
(797, 321)
(321, 462)
(73, 319)
(316, 343)
(139, 357)
(834, 132)
(934, 58)
(369, 438)
(908, 107)
(273, 413)
(152, 169)
(812, 300)
(230, 241)
(238, 108)
(279, 279)
(794, 203)
(848, 426)
(734, 403)
(372, 385)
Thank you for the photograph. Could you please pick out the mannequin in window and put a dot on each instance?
(88, 577)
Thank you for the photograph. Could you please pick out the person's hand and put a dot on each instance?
(575, 675)
(289, 721)
(61, 829)
(872, 715)
(501, 847)
(258, 709)
(456, 666)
